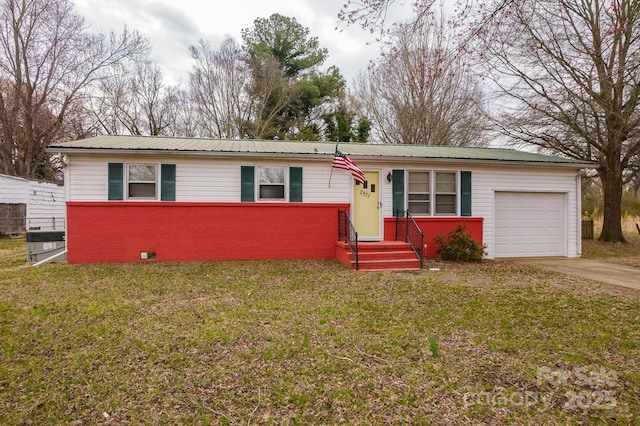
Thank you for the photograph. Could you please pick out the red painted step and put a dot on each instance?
(379, 256)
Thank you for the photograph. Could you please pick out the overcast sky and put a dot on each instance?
(173, 25)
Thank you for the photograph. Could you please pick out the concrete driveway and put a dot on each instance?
(597, 270)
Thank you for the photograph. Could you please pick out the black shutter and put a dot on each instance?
(465, 193)
(168, 182)
(116, 181)
(247, 182)
(295, 184)
(398, 192)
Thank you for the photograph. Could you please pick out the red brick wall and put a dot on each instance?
(432, 226)
(102, 232)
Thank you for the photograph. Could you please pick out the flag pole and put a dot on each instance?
(331, 172)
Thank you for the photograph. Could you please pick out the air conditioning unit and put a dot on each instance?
(42, 245)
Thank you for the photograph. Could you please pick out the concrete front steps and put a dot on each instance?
(379, 256)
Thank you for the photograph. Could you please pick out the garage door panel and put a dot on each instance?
(529, 224)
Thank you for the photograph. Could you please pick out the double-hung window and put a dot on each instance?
(419, 194)
(432, 193)
(271, 181)
(446, 190)
(142, 181)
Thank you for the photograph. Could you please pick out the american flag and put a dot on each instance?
(341, 161)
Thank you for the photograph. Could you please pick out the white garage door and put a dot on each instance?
(530, 224)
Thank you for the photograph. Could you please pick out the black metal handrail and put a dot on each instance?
(414, 236)
(347, 232)
(398, 214)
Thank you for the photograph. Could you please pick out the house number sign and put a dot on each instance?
(364, 192)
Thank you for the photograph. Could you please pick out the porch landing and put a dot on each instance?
(379, 256)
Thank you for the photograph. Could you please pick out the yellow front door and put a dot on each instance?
(366, 207)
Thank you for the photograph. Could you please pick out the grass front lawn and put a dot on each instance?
(313, 342)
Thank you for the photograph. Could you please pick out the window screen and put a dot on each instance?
(142, 181)
(419, 194)
(272, 183)
(446, 193)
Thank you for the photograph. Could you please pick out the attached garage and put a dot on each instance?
(530, 224)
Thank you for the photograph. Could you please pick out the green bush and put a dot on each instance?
(459, 246)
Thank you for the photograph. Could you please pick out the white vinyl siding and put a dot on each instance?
(14, 190)
(87, 178)
(208, 180)
(321, 185)
(45, 201)
(46, 209)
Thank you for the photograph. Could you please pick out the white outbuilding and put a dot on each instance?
(27, 204)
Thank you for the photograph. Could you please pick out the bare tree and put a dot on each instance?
(79, 122)
(421, 91)
(372, 14)
(47, 60)
(218, 88)
(110, 103)
(186, 122)
(135, 100)
(156, 100)
(569, 72)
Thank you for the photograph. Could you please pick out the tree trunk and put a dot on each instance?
(612, 223)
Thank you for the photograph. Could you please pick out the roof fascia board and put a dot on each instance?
(310, 156)
(478, 161)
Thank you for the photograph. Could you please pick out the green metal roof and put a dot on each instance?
(159, 145)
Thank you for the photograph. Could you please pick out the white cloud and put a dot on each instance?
(173, 26)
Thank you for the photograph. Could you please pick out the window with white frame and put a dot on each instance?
(271, 183)
(432, 193)
(142, 181)
(446, 193)
(419, 194)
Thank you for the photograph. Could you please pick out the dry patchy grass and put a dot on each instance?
(12, 252)
(622, 253)
(312, 342)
